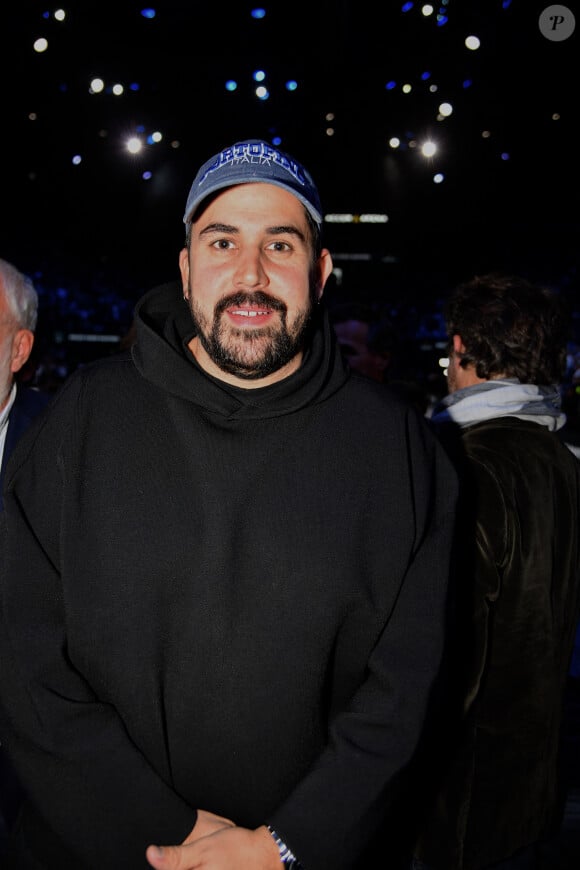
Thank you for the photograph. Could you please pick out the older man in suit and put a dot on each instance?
(19, 405)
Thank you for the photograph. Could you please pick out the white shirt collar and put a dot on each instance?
(4, 414)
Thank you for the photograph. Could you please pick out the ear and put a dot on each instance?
(184, 269)
(324, 271)
(458, 345)
(21, 348)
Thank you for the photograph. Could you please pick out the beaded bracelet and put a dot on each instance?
(287, 857)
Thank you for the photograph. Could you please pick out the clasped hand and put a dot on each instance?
(216, 843)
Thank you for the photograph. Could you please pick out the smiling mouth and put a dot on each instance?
(249, 312)
(249, 316)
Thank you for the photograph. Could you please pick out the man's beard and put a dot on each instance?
(255, 352)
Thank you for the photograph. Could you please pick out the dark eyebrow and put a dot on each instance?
(219, 228)
(271, 231)
(286, 230)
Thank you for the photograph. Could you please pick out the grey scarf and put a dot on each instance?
(502, 398)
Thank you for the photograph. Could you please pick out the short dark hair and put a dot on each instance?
(510, 327)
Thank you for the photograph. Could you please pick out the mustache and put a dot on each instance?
(258, 298)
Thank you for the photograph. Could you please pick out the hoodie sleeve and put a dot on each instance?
(352, 790)
(78, 765)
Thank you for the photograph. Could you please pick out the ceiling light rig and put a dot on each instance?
(259, 87)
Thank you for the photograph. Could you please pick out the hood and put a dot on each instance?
(163, 329)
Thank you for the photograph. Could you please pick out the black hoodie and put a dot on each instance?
(223, 598)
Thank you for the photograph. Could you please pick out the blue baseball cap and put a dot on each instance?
(248, 162)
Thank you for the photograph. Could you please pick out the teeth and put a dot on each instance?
(245, 313)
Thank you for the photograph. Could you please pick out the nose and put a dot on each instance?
(250, 272)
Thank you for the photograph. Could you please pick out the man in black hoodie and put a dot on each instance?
(228, 630)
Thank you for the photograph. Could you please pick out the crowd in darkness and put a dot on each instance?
(421, 645)
(80, 321)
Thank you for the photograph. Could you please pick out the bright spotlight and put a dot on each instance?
(134, 145)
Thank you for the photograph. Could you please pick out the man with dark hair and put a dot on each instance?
(228, 629)
(511, 329)
(518, 596)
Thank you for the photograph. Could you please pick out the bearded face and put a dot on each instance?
(249, 335)
(251, 280)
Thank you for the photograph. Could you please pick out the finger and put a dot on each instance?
(168, 858)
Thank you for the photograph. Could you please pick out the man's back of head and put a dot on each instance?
(510, 328)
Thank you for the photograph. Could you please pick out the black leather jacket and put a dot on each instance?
(518, 602)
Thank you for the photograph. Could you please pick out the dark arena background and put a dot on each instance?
(442, 138)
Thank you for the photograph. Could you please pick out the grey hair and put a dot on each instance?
(20, 294)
